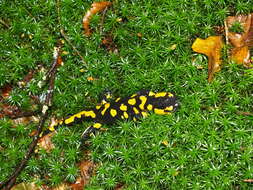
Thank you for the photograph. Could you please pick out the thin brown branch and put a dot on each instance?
(58, 5)
(8, 184)
(102, 20)
(244, 113)
(73, 47)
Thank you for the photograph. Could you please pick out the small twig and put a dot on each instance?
(102, 20)
(4, 23)
(63, 33)
(8, 184)
(244, 113)
(73, 47)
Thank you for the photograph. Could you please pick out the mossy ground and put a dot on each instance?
(209, 145)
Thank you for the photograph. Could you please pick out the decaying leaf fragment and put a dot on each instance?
(95, 8)
(240, 54)
(46, 142)
(240, 40)
(26, 186)
(210, 47)
(87, 170)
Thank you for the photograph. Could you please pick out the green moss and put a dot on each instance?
(209, 145)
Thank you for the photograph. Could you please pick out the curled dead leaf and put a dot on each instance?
(95, 8)
(238, 39)
(210, 47)
(242, 40)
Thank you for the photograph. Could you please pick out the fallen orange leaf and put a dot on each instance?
(210, 47)
(241, 41)
(95, 8)
(240, 54)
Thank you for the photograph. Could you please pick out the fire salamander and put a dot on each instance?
(134, 107)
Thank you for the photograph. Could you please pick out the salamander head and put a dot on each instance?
(163, 102)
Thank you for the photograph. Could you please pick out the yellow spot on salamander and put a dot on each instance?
(107, 105)
(125, 115)
(123, 107)
(60, 122)
(143, 101)
(160, 111)
(98, 107)
(169, 108)
(79, 115)
(134, 119)
(69, 120)
(118, 99)
(136, 111)
(90, 114)
(133, 95)
(113, 112)
(132, 101)
(151, 93)
(97, 125)
(144, 114)
(160, 94)
(170, 95)
(150, 107)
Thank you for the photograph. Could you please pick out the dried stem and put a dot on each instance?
(58, 4)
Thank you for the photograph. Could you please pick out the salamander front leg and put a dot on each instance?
(90, 131)
(106, 97)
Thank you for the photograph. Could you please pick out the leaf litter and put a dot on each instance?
(238, 31)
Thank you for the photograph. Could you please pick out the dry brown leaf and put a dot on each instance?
(109, 44)
(25, 120)
(240, 54)
(119, 186)
(95, 8)
(26, 186)
(46, 142)
(87, 169)
(210, 47)
(242, 41)
(6, 90)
